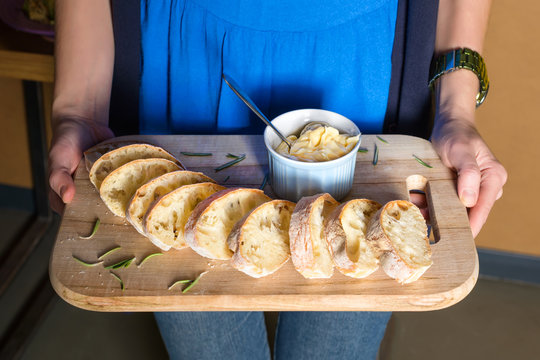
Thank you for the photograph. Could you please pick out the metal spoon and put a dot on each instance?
(243, 96)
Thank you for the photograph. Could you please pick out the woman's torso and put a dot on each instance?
(333, 55)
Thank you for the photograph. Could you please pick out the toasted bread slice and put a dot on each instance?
(165, 221)
(346, 231)
(154, 189)
(120, 185)
(118, 157)
(309, 250)
(260, 241)
(97, 151)
(399, 232)
(211, 222)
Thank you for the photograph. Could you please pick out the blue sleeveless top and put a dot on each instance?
(286, 54)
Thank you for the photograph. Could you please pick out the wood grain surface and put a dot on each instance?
(450, 279)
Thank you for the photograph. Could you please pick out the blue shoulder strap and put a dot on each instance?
(124, 107)
(409, 108)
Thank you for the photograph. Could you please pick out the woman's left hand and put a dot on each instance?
(480, 175)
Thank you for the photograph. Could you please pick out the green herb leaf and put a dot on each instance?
(147, 258)
(122, 264)
(362, 150)
(226, 179)
(120, 280)
(94, 231)
(179, 282)
(85, 263)
(195, 153)
(422, 162)
(380, 138)
(230, 163)
(229, 155)
(265, 180)
(194, 282)
(376, 155)
(108, 252)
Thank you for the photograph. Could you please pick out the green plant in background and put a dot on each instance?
(39, 10)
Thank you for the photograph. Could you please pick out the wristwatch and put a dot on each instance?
(461, 59)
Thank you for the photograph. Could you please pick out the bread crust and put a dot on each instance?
(201, 189)
(116, 158)
(192, 234)
(97, 151)
(391, 262)
(152, 191)
(116, 196)
(303, 233)
(237, 238)
(366, 261)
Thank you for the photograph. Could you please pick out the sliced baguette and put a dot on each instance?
(212, 220)
(154, 189)
(309, 250)
(346, 231)
(97, 151)
(114, 159)
(165, 221)
(260, 241)
(399, 232)
(120, 185)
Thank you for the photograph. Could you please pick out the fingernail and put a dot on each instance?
(62, 191)
(468, 198)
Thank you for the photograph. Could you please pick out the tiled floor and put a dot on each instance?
(498, 320)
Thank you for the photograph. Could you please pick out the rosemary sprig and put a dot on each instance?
(179, 282)
(380, 138)
(120, 280)
(94, 231)
(108, 252)
(230, 163)
(122, 264)
(362, 150)
(84, 263)
(376, 155)
(195, 153)
(265, 180)
(232, 156)
(193, 282)
(226, 179)
(422, 162)
(147, 258)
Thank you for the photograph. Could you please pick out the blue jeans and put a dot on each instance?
(299, 335)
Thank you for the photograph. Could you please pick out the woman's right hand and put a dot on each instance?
(71, 136)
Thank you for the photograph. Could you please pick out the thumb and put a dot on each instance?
(469, 176)
(63, 160)
(62, 183)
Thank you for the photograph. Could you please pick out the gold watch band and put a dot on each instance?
(461, 59)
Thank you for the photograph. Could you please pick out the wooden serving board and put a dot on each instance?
(450, 279)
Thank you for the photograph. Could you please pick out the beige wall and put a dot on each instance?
(508, 120)
(15, 167)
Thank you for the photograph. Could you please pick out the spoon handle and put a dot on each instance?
(236, 89)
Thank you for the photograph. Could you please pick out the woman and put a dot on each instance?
(285, 54)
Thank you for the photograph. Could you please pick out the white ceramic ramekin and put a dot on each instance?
(292, 179)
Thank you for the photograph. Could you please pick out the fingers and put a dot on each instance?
(493, 180)
(469, 177)
(419, 199)
(63, 160)
(62, 184)
(56, 203)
